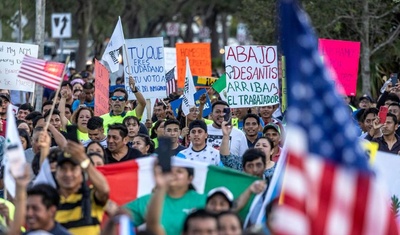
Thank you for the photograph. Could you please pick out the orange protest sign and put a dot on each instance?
(199, 57)
(101, 84)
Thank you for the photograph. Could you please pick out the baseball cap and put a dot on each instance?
(198, 123)
(64, 157)
(272, 125)
(5, 96)
(222, 191)
(365, 96)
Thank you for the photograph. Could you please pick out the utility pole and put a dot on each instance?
(39, 40)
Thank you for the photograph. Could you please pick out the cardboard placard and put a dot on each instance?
(101, 92)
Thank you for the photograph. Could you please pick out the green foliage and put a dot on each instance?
(395, 205)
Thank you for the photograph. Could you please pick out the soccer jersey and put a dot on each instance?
(207, 154)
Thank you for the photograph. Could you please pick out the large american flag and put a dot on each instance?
(328, 187)
(45, 73)
(171, 82)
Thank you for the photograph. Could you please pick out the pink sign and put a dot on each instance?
(343, 58)
(101, 84)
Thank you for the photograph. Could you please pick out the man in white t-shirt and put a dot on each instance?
(238, 141)
(198, 150)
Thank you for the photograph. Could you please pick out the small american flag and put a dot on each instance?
(328, 187)
(171, 82)
(45, 73)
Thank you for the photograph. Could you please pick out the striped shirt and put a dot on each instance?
(70, 214)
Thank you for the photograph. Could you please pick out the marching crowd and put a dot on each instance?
(76, 142)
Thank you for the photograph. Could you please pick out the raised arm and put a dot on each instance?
(154, 211)
(97, 179)
(256, 187)
(61, 108)
(141, 101)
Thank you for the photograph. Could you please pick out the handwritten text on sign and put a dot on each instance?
(145, 58)
(11, 55)
(102, 89)
(343, 57)
(252, 75)
(199, 55)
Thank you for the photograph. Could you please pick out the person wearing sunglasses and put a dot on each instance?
(118, 101)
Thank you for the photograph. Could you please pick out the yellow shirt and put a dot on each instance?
(112, 119)
(70, 215)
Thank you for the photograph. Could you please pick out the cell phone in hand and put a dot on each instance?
(72, 133)
(227, 116)
(16, 162)
(164, 153)
(394, 78)
(383, 110)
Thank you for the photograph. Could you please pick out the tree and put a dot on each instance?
(374, 23)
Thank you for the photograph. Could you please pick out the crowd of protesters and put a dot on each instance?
(248, 140)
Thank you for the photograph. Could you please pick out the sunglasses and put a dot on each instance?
(120, 98)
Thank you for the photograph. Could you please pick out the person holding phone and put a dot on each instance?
(238, 141)
(389, 141)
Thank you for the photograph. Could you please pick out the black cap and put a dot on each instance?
(64, 157)
(198, 123)
(5, 96)
(365, 96)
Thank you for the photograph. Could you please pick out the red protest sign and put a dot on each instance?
(343, 58)
(102, 84)
(199, 56)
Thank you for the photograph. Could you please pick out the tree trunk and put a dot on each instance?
(214, 35)
(85, 15)
(365, 50)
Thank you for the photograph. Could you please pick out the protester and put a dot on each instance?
(173, 195)
(81, 118)
(95, 147)
(157, 131)
(118, 100)
(273, 132)
(25, 138)
(86, 98)
(229, 223)
(132, 123)
(143, 143)
(199, 150)
(76, 195)
(219, 199)
(24, 110)
(24, 125)
(390, 141)
(238, 142)
(200, 222)
(96, 132)
(364, 102)
(117, 148)
(96, 159)
(172, 130)
(159, 111)
(367, 120)
(35, 208)
(251, 127)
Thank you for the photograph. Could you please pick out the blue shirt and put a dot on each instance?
(76, 104)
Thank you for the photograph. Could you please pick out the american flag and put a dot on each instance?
(45, 73)
(171, 82)
(328, 187)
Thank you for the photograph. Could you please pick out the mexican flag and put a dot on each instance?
(132, 179)
(220, 86)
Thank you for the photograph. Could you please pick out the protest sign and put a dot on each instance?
(11, 55)
(204, 81)
(251, 76)
(101, 83)
(343, 58)
(144, 61)
(199, 55)
(169, 58)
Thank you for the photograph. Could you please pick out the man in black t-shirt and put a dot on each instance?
(117, 149)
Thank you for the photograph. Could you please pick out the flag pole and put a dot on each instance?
(56, 96)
